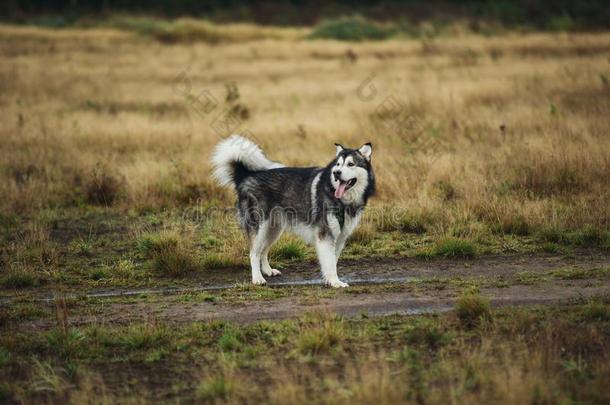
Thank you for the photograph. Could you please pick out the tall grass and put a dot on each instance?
(473, 151)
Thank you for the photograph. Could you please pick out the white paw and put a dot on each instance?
(258, 280)
(271, 272)
(338, 284)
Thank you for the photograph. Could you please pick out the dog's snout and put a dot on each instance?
(337, 174)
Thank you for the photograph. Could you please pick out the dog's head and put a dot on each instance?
(352, 174)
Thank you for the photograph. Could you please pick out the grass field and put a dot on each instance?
(476, 355)
(481, 145)
(497, 143)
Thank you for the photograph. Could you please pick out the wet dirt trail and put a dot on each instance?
(384, 286)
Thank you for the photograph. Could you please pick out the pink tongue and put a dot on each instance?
(340, 190)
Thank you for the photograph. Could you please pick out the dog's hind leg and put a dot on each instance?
(257, 246)
(274, 231)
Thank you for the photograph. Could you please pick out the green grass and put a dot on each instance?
(425, 331)
(472, 309)
(145, 336)
(352, 29)
(288, 249)
(215, 388)
(168, 255)
(571, 273)
(589, 236)
(20, 278)
(106, 248)
(230, 341)
(450, 247)
(529, 278)
(595, 310)
(218, 361)
(321, 334)
(552, 247)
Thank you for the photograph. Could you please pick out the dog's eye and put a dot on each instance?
(350, 164)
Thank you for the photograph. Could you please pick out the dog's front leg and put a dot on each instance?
(325, 248)
(339, 245)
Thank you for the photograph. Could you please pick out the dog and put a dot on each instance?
(322, 205)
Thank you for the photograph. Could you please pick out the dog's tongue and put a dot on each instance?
(340, 190)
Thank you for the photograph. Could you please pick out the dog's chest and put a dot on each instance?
(350, 222)
(343, 223)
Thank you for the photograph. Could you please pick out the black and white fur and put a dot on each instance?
(323, 205)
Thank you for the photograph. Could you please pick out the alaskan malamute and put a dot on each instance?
(321, 204)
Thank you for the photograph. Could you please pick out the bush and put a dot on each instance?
(352, 29)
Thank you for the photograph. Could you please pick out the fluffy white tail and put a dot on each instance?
(237, 149)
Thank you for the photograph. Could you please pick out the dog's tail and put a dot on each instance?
(235, 157)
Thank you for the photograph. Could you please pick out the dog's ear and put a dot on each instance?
(339, 149)
(366, 150)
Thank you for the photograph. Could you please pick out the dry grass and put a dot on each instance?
(503, 134)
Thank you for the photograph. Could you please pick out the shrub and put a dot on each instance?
(471, 309)
(352, 29)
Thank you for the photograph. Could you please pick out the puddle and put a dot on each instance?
(179, 290)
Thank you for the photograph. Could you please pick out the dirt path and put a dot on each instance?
(368, 271)
(397, 285)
